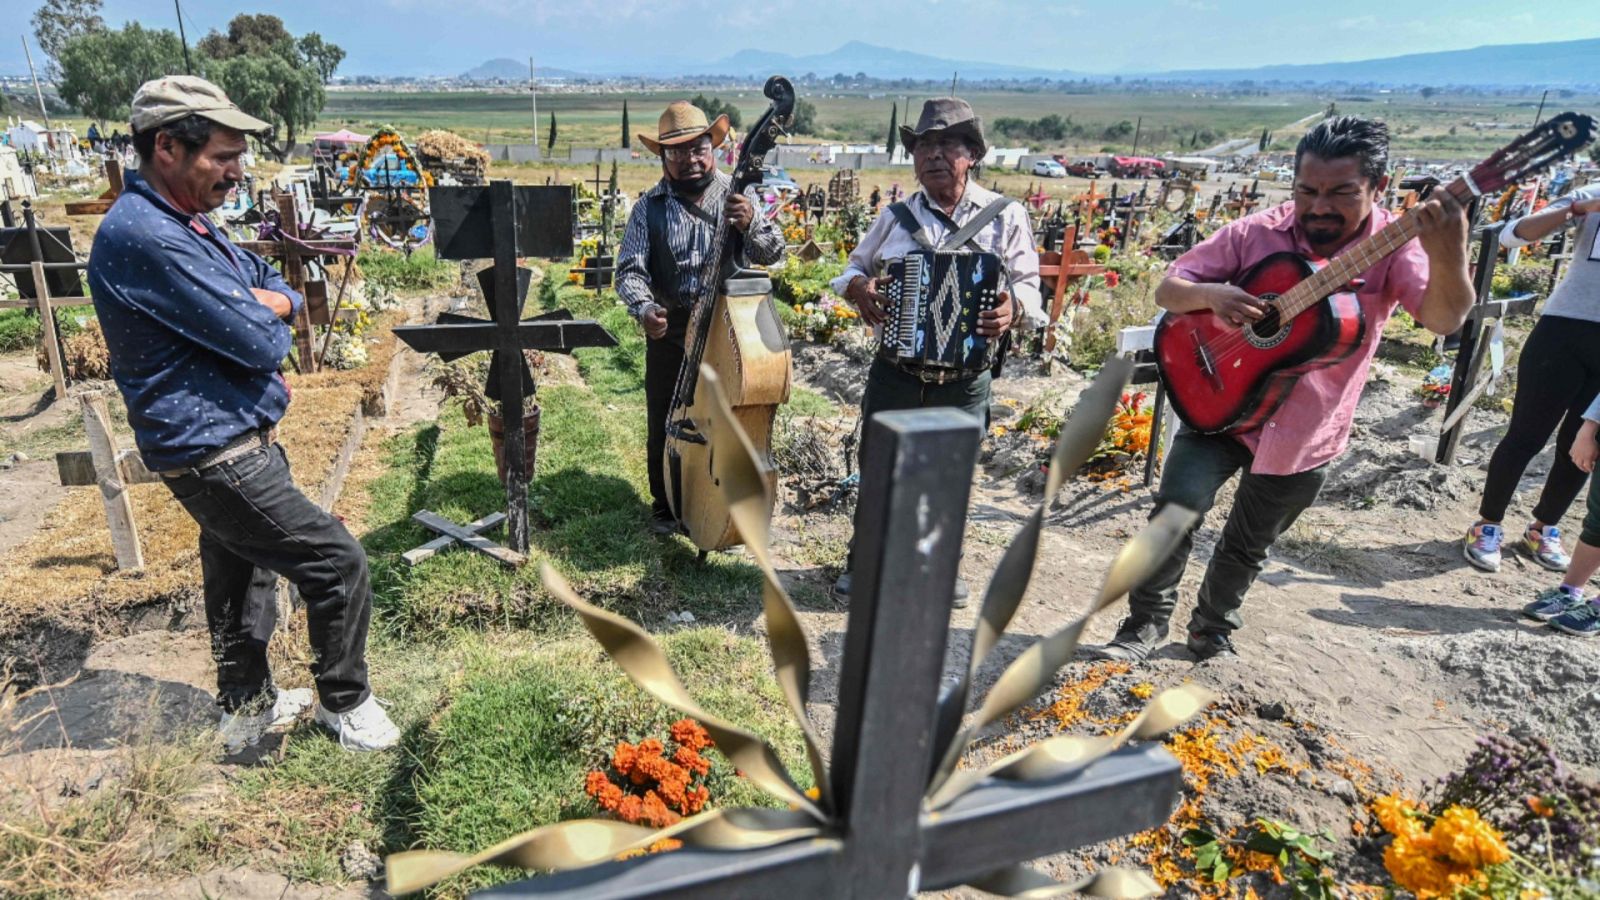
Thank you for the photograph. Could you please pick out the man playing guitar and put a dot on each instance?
(1340, 174)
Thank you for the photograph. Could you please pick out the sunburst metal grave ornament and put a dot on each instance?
(893, 813)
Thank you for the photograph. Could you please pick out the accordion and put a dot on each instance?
(934, 298)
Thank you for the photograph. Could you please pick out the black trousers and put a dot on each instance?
(1264, 506)
(1558, 377)
(662, 360)
(254, 526)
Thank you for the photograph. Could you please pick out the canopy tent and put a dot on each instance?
(343, 136)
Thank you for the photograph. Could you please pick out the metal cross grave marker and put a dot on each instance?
(503, 222)
(885, 843)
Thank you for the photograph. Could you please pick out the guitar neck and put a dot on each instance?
(1357, 260)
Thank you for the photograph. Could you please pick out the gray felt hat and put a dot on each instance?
(946, 115)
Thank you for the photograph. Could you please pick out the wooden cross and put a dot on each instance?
(112, 470)
(504, 222)
(26, 254)
(102, 204)
(470, 535)
(886, 843)
(291, 251)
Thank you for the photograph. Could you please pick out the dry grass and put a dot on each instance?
(131, 820)
(66, 572)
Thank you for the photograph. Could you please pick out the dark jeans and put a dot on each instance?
(890, 389)
(1558, 376)
(662, 360)
(255, 525)
(1264, 506)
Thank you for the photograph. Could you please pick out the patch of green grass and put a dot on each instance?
(510, 751)
(589, 502)
(394, 271)
(20, 328)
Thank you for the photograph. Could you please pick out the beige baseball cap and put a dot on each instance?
(166, 100)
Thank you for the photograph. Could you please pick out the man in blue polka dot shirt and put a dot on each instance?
(196, 331)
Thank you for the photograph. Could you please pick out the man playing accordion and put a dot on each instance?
(948, 213)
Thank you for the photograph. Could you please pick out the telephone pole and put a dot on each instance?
(36, 91)
(533, 95)
(188, 69)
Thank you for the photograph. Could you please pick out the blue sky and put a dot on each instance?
(449, 36)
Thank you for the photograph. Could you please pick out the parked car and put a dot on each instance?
(1085, 168)
(1049, 168)
(778, 179)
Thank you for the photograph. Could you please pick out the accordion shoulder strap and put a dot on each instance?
(964, 235)
(902, 214)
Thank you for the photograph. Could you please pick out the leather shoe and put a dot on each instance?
(1135, 640)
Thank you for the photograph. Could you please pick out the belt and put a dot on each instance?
(932, 374)
(244, 445)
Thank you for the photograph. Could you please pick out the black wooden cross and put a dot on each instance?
(504, 222)
(885, 843)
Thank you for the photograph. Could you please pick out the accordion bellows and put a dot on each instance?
(934, 299)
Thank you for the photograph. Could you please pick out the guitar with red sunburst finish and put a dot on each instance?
(1223, 379)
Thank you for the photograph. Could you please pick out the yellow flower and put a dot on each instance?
(1397, 815)
(1468, 840)
(1142, 690)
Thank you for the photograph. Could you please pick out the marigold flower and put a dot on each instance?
(690, 759)
(689, 733)
(654, 812)
(609, 797)
(1541, 807)
(696, 799)
(630, 809)
(593, 782)
(624, 757)
(1397, 815)
(1468, 840)
(650, 747)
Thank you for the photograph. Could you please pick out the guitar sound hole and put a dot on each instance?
(1270, 330)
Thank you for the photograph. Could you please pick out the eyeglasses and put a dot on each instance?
(679, 154)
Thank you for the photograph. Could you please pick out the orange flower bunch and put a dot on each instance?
(1130, 427)
(1442, 859)
(652, 788)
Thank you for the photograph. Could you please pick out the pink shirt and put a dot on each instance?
(1312, 425)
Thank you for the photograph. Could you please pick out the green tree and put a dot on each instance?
(805, 118)
(627, 139)
(271, 74)
(101, 70)
(714, 107)
(550, 142)
(894, 127)
(59, 21)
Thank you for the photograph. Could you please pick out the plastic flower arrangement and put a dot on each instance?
(1435, 386)
(645, 785)
(825, 317)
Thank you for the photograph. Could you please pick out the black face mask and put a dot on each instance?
(693, 187)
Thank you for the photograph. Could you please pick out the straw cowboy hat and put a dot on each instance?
(684, 123)
(946, 116)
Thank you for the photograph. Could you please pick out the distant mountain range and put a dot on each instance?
(512, 70)
(877, 62)
(1554, 64)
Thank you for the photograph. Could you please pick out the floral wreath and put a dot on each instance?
(387, 138)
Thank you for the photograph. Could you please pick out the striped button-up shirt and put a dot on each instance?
(689, 238)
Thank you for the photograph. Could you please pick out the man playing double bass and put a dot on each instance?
(665, 256)
(944, 146)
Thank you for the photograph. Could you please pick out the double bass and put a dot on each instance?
(736, 331)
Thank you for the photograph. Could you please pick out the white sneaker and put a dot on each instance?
(361, 730)
(241, 730)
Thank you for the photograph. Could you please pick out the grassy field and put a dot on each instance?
(1167, 121)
